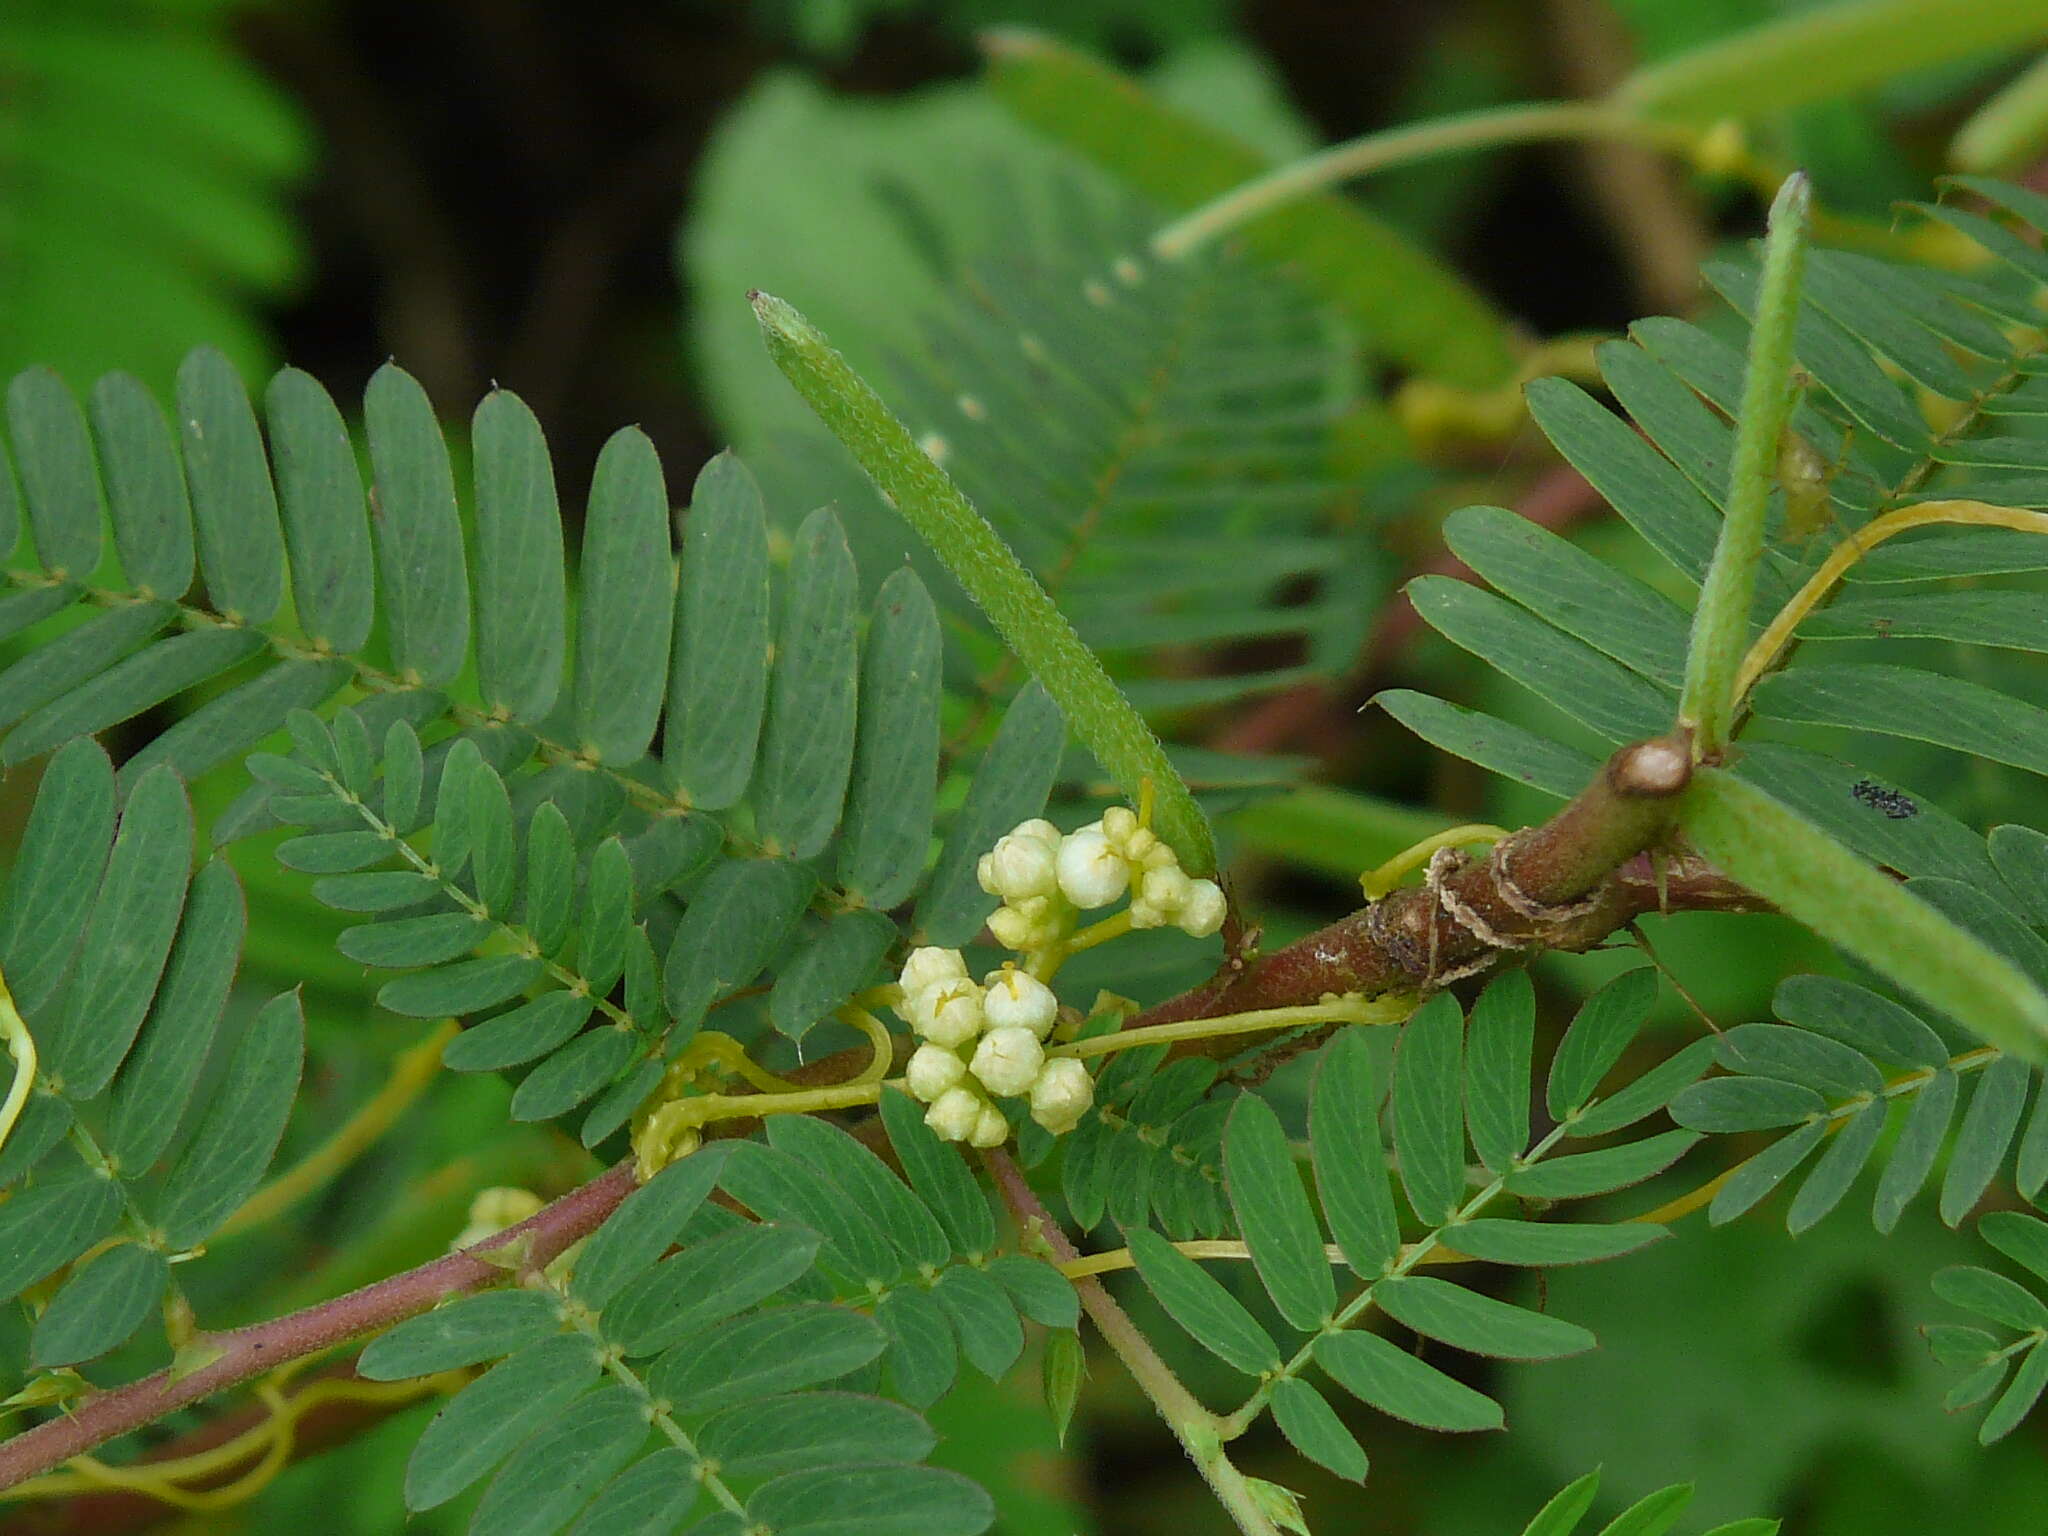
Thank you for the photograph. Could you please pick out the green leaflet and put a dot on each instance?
(520, 1034)
(1905, 701)
(1598, 1173)
(1478, 1324)
(1614, 701)
(467, 986)
(241, 1127)
(777, 1185)
(1729, 1105)
(1795, 1056)
(1312, 1427)
(100, 1306)
(1858, 1017)
(1605, 1025)
(1398, 295)
(1815, 880)
(807, 745)
(718, 682)
(766, 1354)
(1607, 609)
(127, 940)
(905, 1501)
(574, 1074)
(1561, 1514)
(990, 1336)
(864, 1180)
(157, 1081)
(320, 489)
(1913, 1154)
(924, 1357)
(739, 919)
(1834, 51)
(1507, 749)
(52, 1224)
(938, 1175)
(229, 724)
(1198, 1302)
(234, 506)
(467, 1331)
(145, 486)
(1498, 1043)
(520, 636)
(1010, 785)
(1350, 1161)
(1542, 1244)
(845, 956)
(51, 671)
(889, 807)
(554, 1473)
(53, 454)
(1396, 1383)
(158, 672)
(649, 1498)
(1022, 614)
(1831, 1176)
(778, 1435)
(56, 875)
(1990, 1294)
(1986, 1134)
(425, 580)
(624, 602)
(1274, 1214)
(494, 1413)
(549, 908)
(1754, 1180)
(1429, 1126)
(410, 941)
(644, 1227)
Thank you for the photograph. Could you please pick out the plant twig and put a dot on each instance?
(249, 1352)
(1193, 1425)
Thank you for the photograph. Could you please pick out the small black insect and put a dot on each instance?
(1897, 806)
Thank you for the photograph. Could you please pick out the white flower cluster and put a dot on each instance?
(986, 1039)
(1045, 879)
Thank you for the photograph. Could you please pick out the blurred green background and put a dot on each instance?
(572, 199)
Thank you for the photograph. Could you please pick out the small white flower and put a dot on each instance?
(947, 1014)
(932, 1070)
(1007, 1061)
(1061, 1095)
(1017, 1000)
(1021, 864)
(1161, 895)
(1013, 929)
(990, 1128)
(1119, 822)
(1091, 872)
(956, 1114)
(1202, 913)
(928, 966)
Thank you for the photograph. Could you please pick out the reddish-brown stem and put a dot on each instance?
(249, 1352)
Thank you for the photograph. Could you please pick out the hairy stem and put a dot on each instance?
(1193, 1425)
(250, 1352)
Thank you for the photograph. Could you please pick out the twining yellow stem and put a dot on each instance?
(411, 1073)
(169, 1481)
(1044, 964)
(878, 1037)
(1377, 883)
(715, 1046)
(1348, 1009)
(21, 1044)
(1923, 514)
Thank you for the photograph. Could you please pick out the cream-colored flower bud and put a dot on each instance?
(928, 966)
(1061, 1095)
(990, 1128)
(1038, 828)
(1091, 872)
(1161, 895)
(1020, 866)
(1119, 824)
(1202, 913)
(1012, 928)
(1017, 1000)
(932, 1070)
(949, 1014)
(1007, 1061)
(956, 1114)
